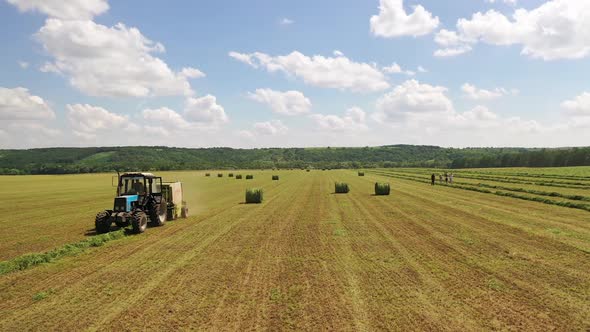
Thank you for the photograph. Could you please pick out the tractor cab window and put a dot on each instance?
(132, 185)
(155, 185)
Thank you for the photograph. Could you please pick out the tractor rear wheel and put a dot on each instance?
(103, 222)
(159, 213)
(139, 222)
(184, 212)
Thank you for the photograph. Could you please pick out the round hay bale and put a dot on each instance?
(382, 189)
(341, 188)
(219, 175)
(254, 196)
(275, 178)
(239, 177)
(249, 177)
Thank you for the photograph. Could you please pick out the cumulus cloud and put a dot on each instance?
(270, 128)
(286, 103)
(205, 112)
(579, 106)
(19, 104)
(190, 72)
(354, 119)
(23, 64)
(558, 29)
(475, 93)
(88, 121)
(164, 117)
(412, 98)
(397, 69)
(115, 61)
(63, 9)
(394, 21)
(327, 72)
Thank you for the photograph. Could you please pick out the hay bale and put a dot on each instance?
(231, 175)
(249, 177)
(382, 189)
(254, 196)
(341, 188)
(275, 178)
(308, 170)
(207, 174)
(239, 177)
(219, 175)
(361, 173)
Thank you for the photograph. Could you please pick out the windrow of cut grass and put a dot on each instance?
(558, 184)
(30, 260)
(573, 205)
(531, 175)
(491, 185)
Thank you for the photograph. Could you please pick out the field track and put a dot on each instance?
(424, 258)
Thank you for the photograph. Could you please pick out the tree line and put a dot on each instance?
(107, 159)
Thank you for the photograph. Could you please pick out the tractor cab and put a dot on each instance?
(134, 188)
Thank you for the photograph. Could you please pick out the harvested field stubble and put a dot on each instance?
(431, 259)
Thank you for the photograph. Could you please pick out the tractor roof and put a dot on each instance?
(147, 175)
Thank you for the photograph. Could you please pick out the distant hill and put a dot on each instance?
(106, 159)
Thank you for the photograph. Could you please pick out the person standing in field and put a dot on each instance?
(446, 177)
(440, 177)
(433, 179)
(451, 178)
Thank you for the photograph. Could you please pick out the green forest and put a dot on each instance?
(107, 159)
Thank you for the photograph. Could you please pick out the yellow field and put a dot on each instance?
(423, 258)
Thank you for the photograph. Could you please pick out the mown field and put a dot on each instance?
(501, 249)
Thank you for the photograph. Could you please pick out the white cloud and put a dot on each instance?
(164, 117)
(393, 21)
(579, 106)
(354, 119)
(422, 69)
(286, 21)
(89, 121)
(19, 104)
(205, 112)
(115, 61)
(190, 72)
(23, 64)
(396, 69)
(270, 128)
(558, 29)
(326, 72)
(337, 53)
(452, 51)
(475, 93)
(287, 103)
(63, 9)
(412, 99)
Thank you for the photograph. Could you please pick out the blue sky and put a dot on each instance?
(305, 73)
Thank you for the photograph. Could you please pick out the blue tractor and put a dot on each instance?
(139, 200)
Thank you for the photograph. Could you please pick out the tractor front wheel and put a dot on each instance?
(139, 222)
(159, 213)
(103, 222)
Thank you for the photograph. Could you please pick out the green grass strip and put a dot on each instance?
(30, 260)
(585, 207)
(570, 185)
